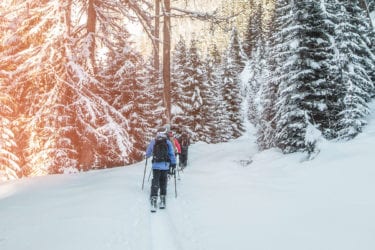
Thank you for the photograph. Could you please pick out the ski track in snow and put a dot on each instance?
(162, 233)
(171, 228)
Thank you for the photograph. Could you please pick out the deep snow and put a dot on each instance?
(278, 202)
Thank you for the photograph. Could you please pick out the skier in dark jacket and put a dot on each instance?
(184, 141)
(163, 162)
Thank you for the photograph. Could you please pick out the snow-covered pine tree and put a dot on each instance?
(215, 55)
(9, 162)
(63, 120)
(127, 93)
(329, 11)
(218, 112)
(154, 95)
(366, 19)
(267, 124)
(211, 109)
(290, 115)
(231, 67)
(180, 86)
(194, 115)
(253, 29)
(316, 54)
(37, 78)
(235, 50)
(257, 66)
(104, 130)
(356, 85)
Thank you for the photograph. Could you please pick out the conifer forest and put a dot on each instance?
(84, 84)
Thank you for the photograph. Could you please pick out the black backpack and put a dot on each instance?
(160, 150)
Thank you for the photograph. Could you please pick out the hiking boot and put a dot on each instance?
(153, 203)
(162, 202)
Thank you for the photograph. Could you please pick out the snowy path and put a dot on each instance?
(170, 227)
(275, 203)
(163, 232)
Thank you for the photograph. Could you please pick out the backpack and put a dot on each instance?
(160, 150)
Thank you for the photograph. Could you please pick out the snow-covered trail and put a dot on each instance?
(105, 209)
(275, 203)
(173, 228)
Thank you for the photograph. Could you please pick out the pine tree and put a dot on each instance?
(356, 85)
(253, 30)
(180, 86)
(316, 55)
(153, 93)
(38, 79)
(9, 162)
(127, 94)
(193, 91)
(266, 94)
(231, 67)
(64, 123)
(217, 112)
(212, 104)
(290, 114)
(235, 51)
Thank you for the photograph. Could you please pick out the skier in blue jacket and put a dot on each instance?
(163, 162)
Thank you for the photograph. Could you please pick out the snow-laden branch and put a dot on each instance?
(203, 16)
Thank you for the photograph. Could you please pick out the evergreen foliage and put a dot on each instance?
(75, 95)
(9, 162)
(231, 67)
(353, 62)
(214, 119)
(180, 86)
(193, 91)
(319, 73)
(254, 30)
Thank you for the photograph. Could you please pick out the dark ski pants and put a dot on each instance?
(183, 158)
(159, 180)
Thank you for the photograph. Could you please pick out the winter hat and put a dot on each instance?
(161, 132)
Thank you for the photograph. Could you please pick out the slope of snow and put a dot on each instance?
(276, 202)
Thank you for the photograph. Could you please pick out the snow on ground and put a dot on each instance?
(277, 202)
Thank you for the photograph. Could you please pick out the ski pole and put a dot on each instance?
(178, 169)
(144, 173)
(175, 184)
(149, 175)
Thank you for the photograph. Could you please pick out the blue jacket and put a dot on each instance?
(161, 165)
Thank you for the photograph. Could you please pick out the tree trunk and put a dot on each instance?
(91, 24)
(167, 58)
(68, 17)
(156, 43)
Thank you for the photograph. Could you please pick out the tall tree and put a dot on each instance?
(356, 83)
(213, 109)
(231, 67)
(253, 29)
(180, 86)
(156, 43)
(290, 114)
(196, 79)
(167, 58)
(9, 162)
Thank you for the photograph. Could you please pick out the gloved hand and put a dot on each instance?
(172, 169)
